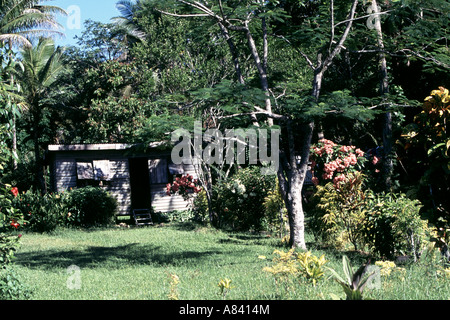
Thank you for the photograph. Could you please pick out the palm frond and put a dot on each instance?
(126, 22)
(127, 8)
(52, 9)
(26, 19)
(16, 39)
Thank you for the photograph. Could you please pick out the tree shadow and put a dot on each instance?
(114, 257)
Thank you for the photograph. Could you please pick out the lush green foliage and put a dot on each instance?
(80, 207)
(92, 206)
(43, 213)
(337, 214)
(394, 226)
(426, 144)
(12, 286)
(239, 200)
(387, 225)
(23, 20)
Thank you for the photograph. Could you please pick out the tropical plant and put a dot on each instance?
(225, 287)
(333, 162)
(42, 64)
(353, 283)
(311, 267)
(10, 219)
(275, 212)
(174, 293)
(393, 225)
(426, 145)
(337, 212)
(11, 285)
(23, 20)
(284, 267)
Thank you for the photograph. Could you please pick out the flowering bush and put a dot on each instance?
(426, 156)
(10, 220)
(185, 186)
(333, 162)
(43, 212)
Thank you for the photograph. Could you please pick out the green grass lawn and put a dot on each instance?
(136, 263)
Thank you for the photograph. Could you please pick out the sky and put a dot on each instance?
(79, 11)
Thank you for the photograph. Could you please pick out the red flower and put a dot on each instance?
(15, 191)
(15, 224)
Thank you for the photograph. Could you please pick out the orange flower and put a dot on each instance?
(15, 191)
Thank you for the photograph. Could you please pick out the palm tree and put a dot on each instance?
(42, 64)
(20, 22)
(24, 20)
(126, 23)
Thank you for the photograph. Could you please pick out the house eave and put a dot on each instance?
(97, 147)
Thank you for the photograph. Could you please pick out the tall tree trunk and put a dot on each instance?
(296, 171)
(388, 165)
(291, 176)
(14, 144)
(14, 129)
(232, 47)
(39, 163)
(261, 66)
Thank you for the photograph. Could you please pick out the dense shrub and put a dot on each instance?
(387, 225)
(239, 201)
(394, 226)
(11, 286)
(337, 212)
(43, 213)
(276, 216)
(11, 219)
(200, 207)
(92, 206)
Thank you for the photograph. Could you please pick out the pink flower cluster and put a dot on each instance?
(327, 148)
(335, 160)
(339, 179)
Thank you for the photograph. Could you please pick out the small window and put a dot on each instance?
(159, 173)
(85, 171)
(96, 173)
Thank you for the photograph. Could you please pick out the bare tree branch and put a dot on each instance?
(362, 17)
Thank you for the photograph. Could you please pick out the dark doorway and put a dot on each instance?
(140, 183)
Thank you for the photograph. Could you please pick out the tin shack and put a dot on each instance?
(137, 179)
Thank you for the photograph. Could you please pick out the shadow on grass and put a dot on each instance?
(115, 257)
